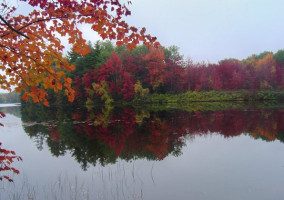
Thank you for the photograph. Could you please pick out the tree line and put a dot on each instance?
(110, 73)
(11, 97)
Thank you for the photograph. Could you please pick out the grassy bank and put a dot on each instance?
(208, 106)
(211, 96)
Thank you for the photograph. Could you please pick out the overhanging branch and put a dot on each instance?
(33, 22)
(15, 30)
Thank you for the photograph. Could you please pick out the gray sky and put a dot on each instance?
(209, 30)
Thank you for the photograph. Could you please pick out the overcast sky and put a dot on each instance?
(210, 30)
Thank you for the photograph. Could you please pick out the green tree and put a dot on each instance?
(279, 58)
(99, 53)
(172, 52)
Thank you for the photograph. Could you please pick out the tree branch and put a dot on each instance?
(9, 25)
(33, 22)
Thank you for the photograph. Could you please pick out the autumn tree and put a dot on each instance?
(174, 77)
(30, 49)
(155, 64)
(228, 75)
(117, 77)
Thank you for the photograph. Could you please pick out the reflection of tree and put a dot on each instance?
(13, 110)
(102, 137)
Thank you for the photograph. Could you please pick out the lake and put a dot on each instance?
(200, 151)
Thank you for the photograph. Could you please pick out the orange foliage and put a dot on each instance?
(265, 61)
(31, 53)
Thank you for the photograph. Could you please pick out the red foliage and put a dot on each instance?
(175, 77)
(89, 78)
(155, 65)
(127, 86)
(198, 77)
(6, 159)
(116, 75)
(228, 75)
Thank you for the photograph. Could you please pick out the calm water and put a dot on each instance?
(198, 152)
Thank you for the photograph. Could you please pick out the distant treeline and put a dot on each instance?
(110, 73)
(11, 97)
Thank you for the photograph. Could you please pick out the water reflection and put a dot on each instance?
(96, 135)
(208, 151)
